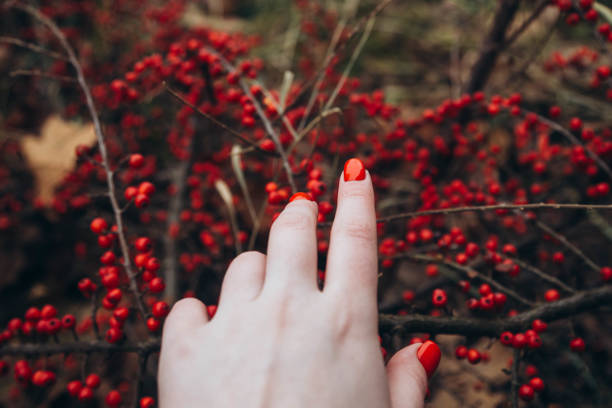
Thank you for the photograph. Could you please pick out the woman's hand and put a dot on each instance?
(276, 340)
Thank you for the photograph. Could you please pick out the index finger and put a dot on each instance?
(352, 265)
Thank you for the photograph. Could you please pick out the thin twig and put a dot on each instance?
(519, 207)
(175, 206)
(212, 118)
(469, 272)
(39, 73)
(559, 237)
(525, 25)
(337, 48)
(574, 140)
(33, 47)
(543, 275)
(264, 119)
(127, 264)
(349, 65)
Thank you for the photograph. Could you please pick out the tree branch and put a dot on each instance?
(469, 272)
(493, 44)
(415, 323)
(578, 303)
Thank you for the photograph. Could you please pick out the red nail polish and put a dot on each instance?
(301, 196)
(354, 170)
(429, 355)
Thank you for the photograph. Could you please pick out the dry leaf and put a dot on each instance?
(52, 154)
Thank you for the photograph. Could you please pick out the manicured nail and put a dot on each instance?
(354, 170)
(301, 196)
(429, 356)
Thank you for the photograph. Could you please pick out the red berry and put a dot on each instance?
(136, 160)
(113, 399)
(74, 387)
(506, 338)
(519, 340)
(130, 193)
(461, 352)
(157, 285)
(534, 342)
(160, 309)
(92, 381)
(98, 225)
(142, 244)
(408, 296)
(473, 356)
(484, 289)
(152, 265)
(113, 335)
(431, 270)
(554, 111)
(552, 295)
(531, 370)
(114, 295)
(48, 312)
(141, 201)
(526, 392)
(499, 299)
(147, 188)
(15, 324)
(121, 313)
(439, 298)
(32, 314)
(108, 258)
(539, 325)
(575, 124)
(577, 344)
(86, 394)
(153, 324)
(267, 145)
(537, 384)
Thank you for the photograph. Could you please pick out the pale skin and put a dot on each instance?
(276, 340)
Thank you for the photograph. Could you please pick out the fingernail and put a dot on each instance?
(429, 356)
(301, 196)
(354, 170)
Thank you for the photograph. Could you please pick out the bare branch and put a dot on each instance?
(39, 73)
(127, 264)
(571, 306)
(217, 122)
(518, 207)
(33, 47)
(264, 119)
(574, 140)
(411, 323)
(469, 272)
(543, 275)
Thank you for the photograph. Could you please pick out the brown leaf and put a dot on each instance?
(52, 154)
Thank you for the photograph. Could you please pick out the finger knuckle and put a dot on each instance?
(359, 191)
(294, 219)
(358, 229)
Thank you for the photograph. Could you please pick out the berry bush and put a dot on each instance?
(494, 232)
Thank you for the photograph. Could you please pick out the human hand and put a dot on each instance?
(276, 340)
